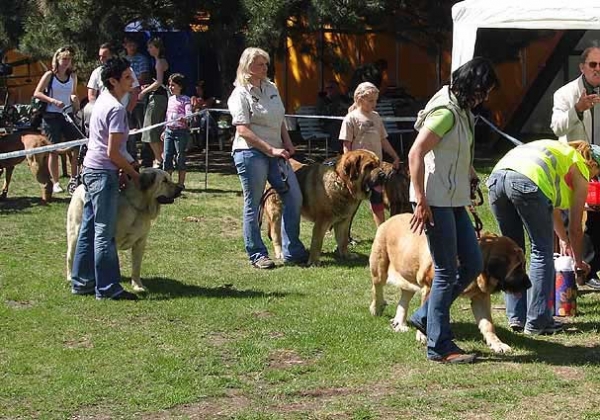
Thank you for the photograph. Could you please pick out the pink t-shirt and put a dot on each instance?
(179, 106)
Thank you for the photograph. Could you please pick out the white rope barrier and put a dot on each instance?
(502, 133)
(79, 142)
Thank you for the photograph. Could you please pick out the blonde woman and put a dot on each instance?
(157, 99)
(363, 128)
(58, 88)
(528, 188)
(261, 149)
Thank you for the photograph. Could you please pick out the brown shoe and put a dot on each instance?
(457, 358)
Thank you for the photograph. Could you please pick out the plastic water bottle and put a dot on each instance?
(565, 291)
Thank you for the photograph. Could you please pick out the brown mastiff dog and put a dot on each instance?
(331, 193)
(38, 163)
(402, 257)
(395, 189)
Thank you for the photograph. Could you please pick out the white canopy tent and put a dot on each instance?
(470, 15)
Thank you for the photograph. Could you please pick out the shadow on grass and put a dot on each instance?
(541, 348)
(358, 260)
(160, 288)
(17, 204)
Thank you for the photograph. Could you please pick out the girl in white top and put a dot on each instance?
(58, 88)
(363, 128)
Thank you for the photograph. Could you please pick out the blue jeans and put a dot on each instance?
(174, 149)
(254, 169)
(457, 261)
(518, 204)
(96, 262)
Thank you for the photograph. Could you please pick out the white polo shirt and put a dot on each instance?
(260, 108)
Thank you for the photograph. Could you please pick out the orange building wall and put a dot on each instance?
(299, 76)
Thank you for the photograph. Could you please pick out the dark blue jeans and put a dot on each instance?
(457, 261)
(518, 205)
(96, 262)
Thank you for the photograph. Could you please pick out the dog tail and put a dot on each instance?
(261, 207)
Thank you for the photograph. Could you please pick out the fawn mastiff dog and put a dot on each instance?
(38, 163)
(138, 208)
(331, 194)
(401, 256)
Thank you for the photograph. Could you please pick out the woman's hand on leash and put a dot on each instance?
(421, 218)
(396, 163)
(280, 153)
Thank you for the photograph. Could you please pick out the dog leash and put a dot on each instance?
(476, 200)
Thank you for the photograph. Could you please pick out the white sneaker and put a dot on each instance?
(57, 188)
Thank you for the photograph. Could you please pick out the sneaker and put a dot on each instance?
(551, 329)
(57, 188)
(264, 263)
(157, 164)
(456, 358)
(593, 284)
(516, 326)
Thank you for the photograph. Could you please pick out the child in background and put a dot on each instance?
(363, 128)
(177, 133)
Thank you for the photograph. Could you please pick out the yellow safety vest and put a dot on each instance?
(546, 162)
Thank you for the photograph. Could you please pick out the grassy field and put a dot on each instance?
(215, 338)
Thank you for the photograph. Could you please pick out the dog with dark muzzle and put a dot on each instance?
(331, 194)
(401, 257)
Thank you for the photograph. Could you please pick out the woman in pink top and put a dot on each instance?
(177, 134)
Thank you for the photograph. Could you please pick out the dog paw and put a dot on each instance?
(421, 338)
(398, 326)
(377, 310)
(138, 287)
(500, 348)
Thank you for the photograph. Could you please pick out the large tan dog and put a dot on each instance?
(330, 196)
(402, 257)
(38, 163)
(138, 208)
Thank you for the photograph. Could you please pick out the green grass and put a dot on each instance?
(215, 338)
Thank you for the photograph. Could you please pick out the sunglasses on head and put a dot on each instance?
(592, 64)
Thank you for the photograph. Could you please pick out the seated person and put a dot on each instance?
(201, 101)
(331, 102)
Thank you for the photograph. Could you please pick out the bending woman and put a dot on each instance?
(528, 188)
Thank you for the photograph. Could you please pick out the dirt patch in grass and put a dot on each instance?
(571, 405)
(285, 358)
(84, 342)
(20, 304)
(230, 227)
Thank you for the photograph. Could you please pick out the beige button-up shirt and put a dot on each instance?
(261, 109)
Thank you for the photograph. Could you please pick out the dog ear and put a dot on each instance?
(147, 178)
(497, 268)
(348, 165)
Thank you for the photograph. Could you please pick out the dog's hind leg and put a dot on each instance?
(137, 254)
(379, 263)
(482, 310)
(74, 216)
(7, 177)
